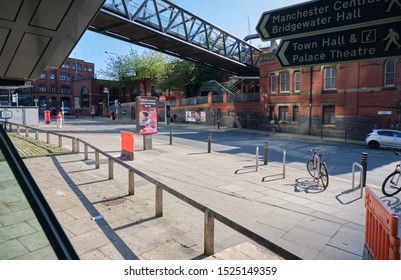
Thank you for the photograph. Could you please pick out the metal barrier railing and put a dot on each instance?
(210, 215)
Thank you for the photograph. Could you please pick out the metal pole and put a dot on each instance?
(310, 100)
(171, 137)
(364, 164)
(165, 112)
(209, 143)
(265, 159)
(284, 162)
(257, 159)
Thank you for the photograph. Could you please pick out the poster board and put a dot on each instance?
(146, 115)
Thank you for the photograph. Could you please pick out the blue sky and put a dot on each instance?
(230, 15)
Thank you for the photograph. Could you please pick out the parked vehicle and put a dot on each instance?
(67, 110)
(384, 138)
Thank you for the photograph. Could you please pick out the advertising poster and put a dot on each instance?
(194, 116)
(146, 115)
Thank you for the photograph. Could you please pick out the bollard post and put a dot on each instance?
(171, 137)
(47, 137)
(209, 143)
(257, 159)
(36, 135)
(265, 159)
(364, 164)
(111, 169)
(284, 162)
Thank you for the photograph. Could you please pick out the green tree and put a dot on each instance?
(187, 76)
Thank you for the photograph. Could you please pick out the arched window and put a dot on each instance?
(64, 76)
(389, 73)
(85, 97)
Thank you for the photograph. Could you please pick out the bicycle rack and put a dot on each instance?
(355, 164)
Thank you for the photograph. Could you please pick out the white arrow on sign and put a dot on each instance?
(281, 53)
(262, 24)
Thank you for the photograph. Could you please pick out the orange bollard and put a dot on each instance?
(127, 145)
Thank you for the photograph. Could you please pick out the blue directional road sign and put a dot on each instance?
(371, 42)
(321, 16)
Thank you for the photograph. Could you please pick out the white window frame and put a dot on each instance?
(388, 72)
(330, 76)
(284, 82)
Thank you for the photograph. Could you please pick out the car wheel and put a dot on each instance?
(373, 144)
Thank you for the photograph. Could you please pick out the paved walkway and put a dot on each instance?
(103, 222)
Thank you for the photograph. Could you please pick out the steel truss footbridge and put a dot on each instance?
(163, 26)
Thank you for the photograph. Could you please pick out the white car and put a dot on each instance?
(383, 138)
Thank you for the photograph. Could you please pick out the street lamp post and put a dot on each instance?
(119, 75)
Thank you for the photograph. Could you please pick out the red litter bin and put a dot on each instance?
(47, 116)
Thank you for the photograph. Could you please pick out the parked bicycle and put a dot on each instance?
(313, 164)
(391, 185)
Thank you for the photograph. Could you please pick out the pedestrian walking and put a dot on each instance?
(59, 119)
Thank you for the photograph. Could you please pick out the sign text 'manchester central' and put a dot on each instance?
(320, 16)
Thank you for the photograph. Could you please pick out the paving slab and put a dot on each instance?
(293, 212)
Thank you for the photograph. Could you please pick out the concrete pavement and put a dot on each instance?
(292, 212)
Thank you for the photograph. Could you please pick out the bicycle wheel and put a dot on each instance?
(310, 167)
(390, 185)
(324, 175)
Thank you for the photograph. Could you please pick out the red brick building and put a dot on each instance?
(335, 100)
(58, 86)
(75, 87)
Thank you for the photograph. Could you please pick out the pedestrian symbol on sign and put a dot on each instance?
(392, 38)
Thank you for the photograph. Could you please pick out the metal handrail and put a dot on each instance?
(210, 214)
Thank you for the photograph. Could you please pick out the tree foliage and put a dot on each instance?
(187, 76)
(165, 72)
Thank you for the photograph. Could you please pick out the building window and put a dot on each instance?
(42, 76)
(284, 82)
(65, 89)
(66, 65)
(330, 78)
(297, 81)
(271, 113)
(42, 88)
(329, 114)
(389, 73)
(53, 88)
(77, 66)
(283, 113)
(90, 68)
(64, 76)
(273, 83)
(52, 75)
(295, 113)
(77, 77)
(85, 97)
